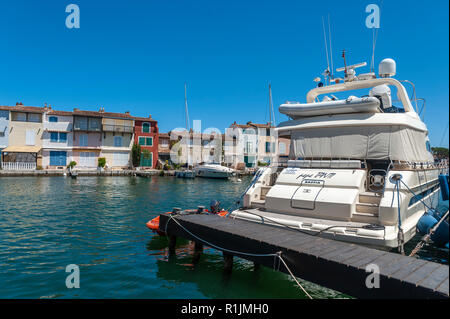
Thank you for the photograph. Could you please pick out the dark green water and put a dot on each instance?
(98, 223)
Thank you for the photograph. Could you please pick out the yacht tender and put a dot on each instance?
(345, 155)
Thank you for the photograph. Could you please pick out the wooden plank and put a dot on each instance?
(393, 268)
(339, 252)
(368, 257)
(436, 277)
(421, 273)
(337, 265)
(443, 287)
(408, 269)
(351, 254)
(385, 261)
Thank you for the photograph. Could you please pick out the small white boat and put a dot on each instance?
(213, 171)
(352, 104)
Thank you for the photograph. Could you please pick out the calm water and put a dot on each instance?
(98, 223)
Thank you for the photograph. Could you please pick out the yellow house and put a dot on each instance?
(25, 138)
(117, 139)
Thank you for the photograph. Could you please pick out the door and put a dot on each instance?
(87, 159)
(305, 196)
(147, 161)
(58, 158)
(120, 159)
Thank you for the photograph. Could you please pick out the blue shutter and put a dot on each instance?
(53, 137)
(63, 137)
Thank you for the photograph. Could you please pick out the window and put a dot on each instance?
(267, 147)
(33, 117)
(53, 119)
(81, 123)
(83, 140)
(30, 137)
(53, 137)
(22, 117)
(63, 137)
(164, 142)
(117, 141)
(93, 124)
(146, 128)
(282, 147)
(146, 141)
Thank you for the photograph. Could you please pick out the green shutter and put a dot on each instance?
(141, 140)
(149, 141)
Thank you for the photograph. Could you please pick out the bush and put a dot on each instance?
(262, 163)
(136, 155)
(72, 164)
(101, 162)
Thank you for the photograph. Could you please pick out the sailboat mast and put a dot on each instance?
(270, 104)
(186, 107)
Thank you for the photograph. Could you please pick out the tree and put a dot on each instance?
(440, 152)
(136, 155)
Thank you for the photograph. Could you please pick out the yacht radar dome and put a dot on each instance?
(387, 68)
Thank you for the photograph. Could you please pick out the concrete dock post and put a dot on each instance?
(172, 244)
(228, 258)
(198, 250)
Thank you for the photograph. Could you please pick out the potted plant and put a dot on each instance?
(101, 163)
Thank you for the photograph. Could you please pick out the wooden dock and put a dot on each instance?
(333, 264)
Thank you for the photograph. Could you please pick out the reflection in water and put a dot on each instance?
(98, 223)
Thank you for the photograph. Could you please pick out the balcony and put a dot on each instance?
(58, 126)
(118, 128)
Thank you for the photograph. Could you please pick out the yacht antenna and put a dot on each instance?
(186, 107)
(374, 43)
(331, 50)
(272, 114)
(345, 64)
(326, 45)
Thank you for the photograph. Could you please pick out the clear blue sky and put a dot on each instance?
(136, 55)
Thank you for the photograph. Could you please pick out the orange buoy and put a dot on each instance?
(153, 224)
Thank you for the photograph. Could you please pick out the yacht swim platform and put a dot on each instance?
(333, 264)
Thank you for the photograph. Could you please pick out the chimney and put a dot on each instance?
(149, 116)
(75, 109)
(127, 112)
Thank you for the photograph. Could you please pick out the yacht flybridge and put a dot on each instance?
(355, 163)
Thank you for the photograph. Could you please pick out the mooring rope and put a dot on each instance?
(275, 255)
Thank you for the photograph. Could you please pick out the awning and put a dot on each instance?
(22, 149)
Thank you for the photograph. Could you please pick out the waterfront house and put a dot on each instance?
(258, 146)
(117, 139)
(4, 128)
(57, 139)
(163, 147)
(87, 138)
(146, 134)
(24, 150)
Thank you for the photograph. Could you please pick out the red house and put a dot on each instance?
(146, 135)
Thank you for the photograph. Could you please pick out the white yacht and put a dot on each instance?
(347, 155)
(213, 171)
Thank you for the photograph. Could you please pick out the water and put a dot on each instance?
(98, 223)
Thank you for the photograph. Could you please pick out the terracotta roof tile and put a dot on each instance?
(22, 108)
